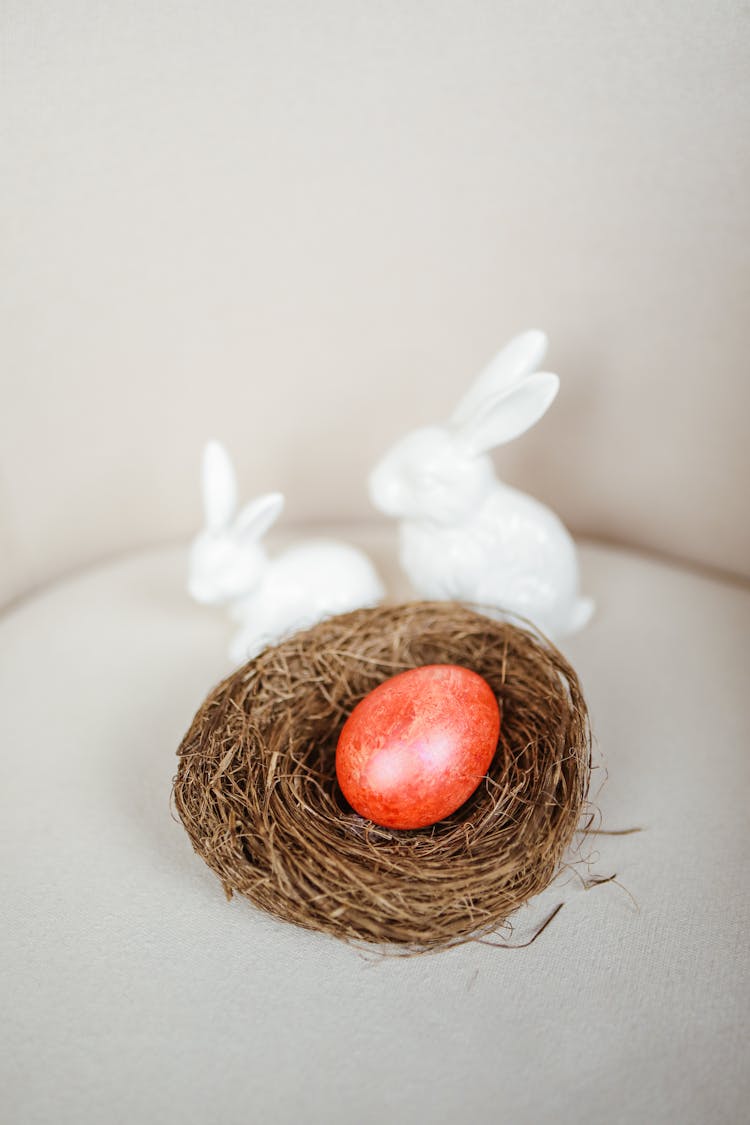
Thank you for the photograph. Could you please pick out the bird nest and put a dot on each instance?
(256, 784)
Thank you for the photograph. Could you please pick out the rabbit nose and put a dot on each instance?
(384, 492)
(199, 592)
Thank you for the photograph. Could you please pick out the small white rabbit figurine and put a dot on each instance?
(463, 534)
(269, 597)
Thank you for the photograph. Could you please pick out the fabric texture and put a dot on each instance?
(132, 991)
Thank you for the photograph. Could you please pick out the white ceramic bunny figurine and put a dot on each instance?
(463, 534)
(268, 597)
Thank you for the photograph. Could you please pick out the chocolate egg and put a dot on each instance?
(415, 748)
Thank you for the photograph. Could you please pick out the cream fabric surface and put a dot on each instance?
(133, 992)
(303, 228)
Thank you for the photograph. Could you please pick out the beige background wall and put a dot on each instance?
(302, 227)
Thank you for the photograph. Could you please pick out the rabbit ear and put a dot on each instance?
(517, 359)
(219, 486)
(508, 414)
(256, 517)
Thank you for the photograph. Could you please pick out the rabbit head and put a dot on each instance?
(442, 473)
(226, 558)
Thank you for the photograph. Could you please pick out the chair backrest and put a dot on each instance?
(302, 229)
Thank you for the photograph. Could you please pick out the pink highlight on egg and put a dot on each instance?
(415, 748)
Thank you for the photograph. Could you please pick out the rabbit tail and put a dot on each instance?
(580, 615)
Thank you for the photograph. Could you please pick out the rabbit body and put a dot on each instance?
(268, 597)
(511, 554)
(300, 586)
(463, 534)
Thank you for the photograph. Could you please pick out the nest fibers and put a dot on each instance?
(256, 784)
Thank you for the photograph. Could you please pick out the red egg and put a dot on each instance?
(415, 748)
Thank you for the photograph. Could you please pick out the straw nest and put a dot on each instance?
(256, 785)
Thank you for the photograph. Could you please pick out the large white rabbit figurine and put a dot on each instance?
(463, 534)
(268, 597)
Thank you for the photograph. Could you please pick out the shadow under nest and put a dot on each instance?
(256, 784)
